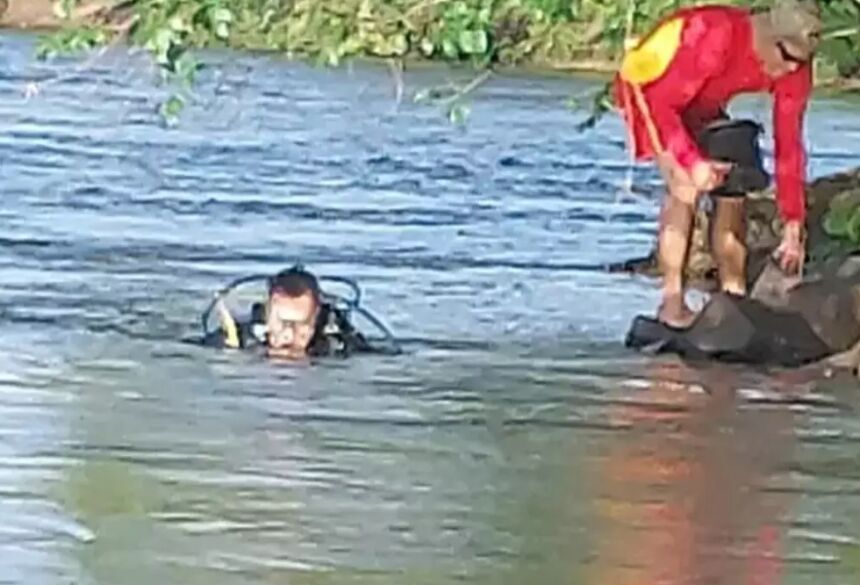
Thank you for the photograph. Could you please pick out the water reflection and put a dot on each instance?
(687, 499)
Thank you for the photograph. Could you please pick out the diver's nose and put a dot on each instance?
(283, 336)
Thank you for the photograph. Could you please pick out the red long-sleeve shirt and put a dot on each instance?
(716, 60)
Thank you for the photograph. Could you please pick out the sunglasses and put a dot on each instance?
(787, 56)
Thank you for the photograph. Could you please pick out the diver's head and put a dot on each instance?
(789, 34)
(292, 310)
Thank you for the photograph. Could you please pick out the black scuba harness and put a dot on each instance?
(337, 306)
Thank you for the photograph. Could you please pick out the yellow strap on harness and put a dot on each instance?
(231, 331)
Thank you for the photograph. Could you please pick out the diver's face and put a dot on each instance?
(290, 323)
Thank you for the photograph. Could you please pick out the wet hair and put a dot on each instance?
(295, 282)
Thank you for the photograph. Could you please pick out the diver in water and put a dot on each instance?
(296, 320)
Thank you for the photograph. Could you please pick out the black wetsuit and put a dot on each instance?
(333, 336)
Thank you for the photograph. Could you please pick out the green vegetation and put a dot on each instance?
(479, 33)
(842, 221)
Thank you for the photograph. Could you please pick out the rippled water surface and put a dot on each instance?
(515, 441)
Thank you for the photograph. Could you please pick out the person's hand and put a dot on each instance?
(710, 174)
(790, 253)
(688, 185)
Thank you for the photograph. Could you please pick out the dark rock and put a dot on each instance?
(735, 329)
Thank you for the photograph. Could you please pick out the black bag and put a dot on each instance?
(736, 141)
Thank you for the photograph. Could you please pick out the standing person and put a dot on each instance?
(675, 84)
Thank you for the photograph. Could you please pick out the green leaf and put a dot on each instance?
(63, 8)
(69, 41)
(449, 48)
(351, 45)
(853, 227)
(171, 108)
(186, 67)
(222, 15)
(427, 47)
(221, 19)
(422, 96)
(836, 223)
(846, 201)
(843, 215)
(332, 58)
(179, 24)
(222, 30)
(458, 114)
(473, 42)
(399, 44)
(162, 42)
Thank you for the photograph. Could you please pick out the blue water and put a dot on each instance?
(515, 440)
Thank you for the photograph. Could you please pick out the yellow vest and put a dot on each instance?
(650, 59)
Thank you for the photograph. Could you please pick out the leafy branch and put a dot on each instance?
(482, 34)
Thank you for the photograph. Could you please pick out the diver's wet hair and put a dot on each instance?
(294, 282)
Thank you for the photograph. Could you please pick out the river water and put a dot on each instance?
(515, 439)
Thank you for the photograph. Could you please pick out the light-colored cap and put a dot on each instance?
(797, 25)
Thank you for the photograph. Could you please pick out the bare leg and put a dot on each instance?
(676, 227)
(728, 243)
